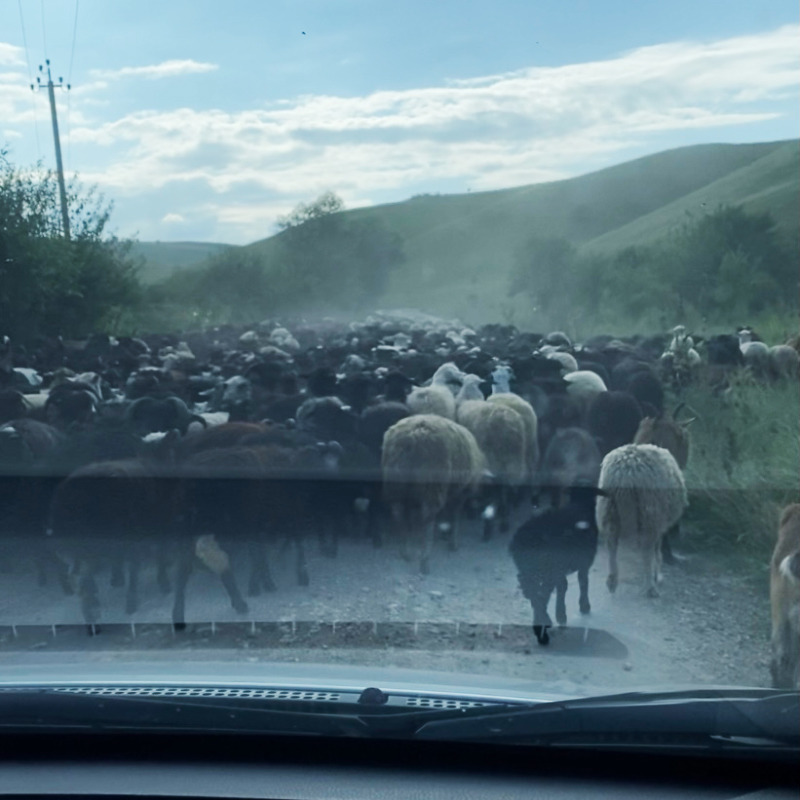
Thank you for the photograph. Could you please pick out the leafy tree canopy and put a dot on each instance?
(50, 286)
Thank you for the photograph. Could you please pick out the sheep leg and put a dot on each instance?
(651, 552)
(185, 560)
(132, 595)
(659, 561)
(49, 558)
(88, 593)
(541, 619)
(301, 568)
(561, 601)
(503, 504)
(450, 516)
(229, 582)
(427, 547)
(260, 574)
(613, 567)
(329, 537)
(257, 567)
(402, 527)
(784, 663)
(667, 554)
(488, 524)
(452, 534)
(583, 585)
(267, 582)
(491, 511)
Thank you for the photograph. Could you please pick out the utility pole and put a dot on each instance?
(62, 189)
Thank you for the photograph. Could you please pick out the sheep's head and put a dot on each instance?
(237, 393)
(449, 375)
(501, 376)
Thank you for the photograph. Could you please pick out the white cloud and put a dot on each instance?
(11, 55)
(166, 69)
(172, 218)
(526, 126)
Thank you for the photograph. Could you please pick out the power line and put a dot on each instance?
(74, 33)
(44, 33)
(30, 78)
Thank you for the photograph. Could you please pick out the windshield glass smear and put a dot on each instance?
(442, 349)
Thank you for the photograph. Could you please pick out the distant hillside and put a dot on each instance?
(767, 184)
(460, 248)
(161, 259)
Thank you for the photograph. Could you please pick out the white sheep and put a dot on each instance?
(498, 429)
(440, 397)
(501, 435)
(784, 361)
(567, 361)
(429, 465)
(501, 393)
(281, 337)
(756, 354)
(644, 496)
(584, 385)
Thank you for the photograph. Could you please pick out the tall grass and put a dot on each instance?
(744, 464)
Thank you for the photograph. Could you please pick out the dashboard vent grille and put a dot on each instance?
(441, 702)
(201, 691)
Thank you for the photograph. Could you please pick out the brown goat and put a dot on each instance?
(785, 599)
(665, 431)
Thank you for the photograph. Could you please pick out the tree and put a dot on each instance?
(326, 204)
(49, 285)
(327, 260)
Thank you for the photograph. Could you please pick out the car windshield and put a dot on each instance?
(456, 339)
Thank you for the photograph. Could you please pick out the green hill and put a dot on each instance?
(161, 259)
(768, 184)
(460, 248)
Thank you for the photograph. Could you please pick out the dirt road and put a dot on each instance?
(368, 607)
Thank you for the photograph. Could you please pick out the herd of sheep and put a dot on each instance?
(185, 450)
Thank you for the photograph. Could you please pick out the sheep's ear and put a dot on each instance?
(687, 422)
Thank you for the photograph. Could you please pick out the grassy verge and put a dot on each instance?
(743, 467)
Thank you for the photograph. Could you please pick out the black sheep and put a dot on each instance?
(646, 387)
(613, 419)
(561, 538)
(12, 405)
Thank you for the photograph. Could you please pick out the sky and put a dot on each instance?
(206, 121)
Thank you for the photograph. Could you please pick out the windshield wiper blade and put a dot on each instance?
(734, 718)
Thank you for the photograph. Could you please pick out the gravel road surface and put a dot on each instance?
(369, 607)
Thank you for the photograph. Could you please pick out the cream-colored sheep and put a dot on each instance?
(439, 397)
(502, 394)
(644, 495)
(501, 435)
(429, 464)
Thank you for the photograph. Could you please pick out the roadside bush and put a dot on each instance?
(744, 465)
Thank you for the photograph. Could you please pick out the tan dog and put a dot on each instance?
(785, 599)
